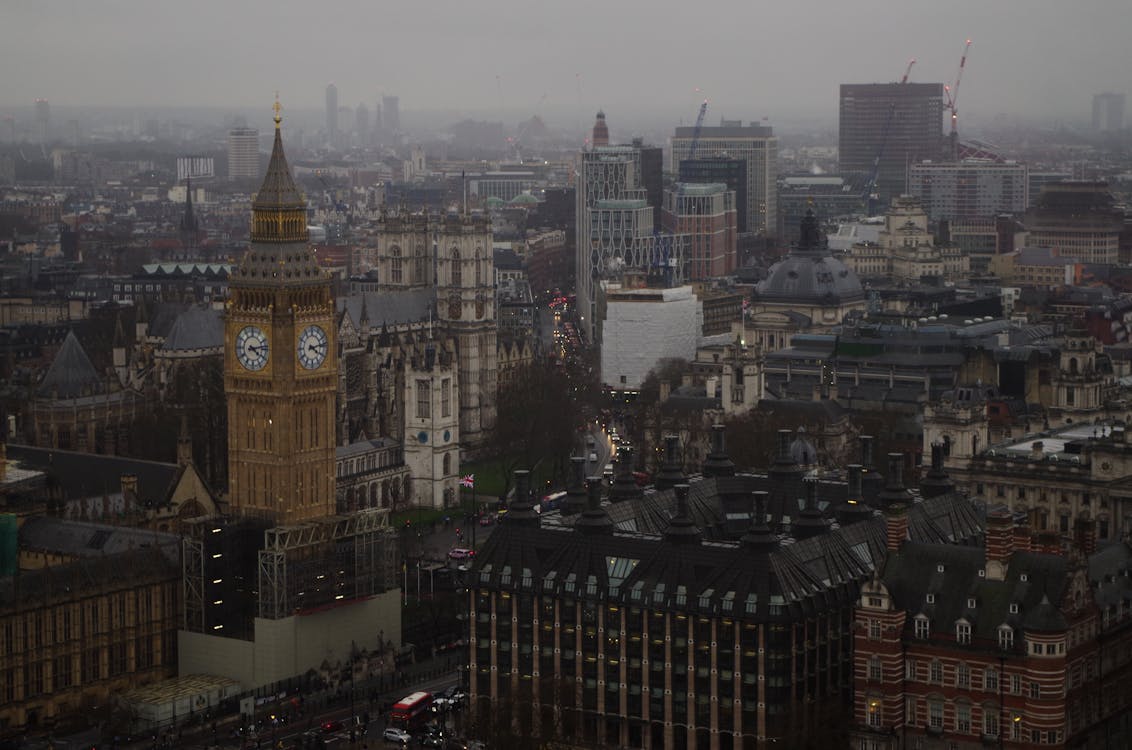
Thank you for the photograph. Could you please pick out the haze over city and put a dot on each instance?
(564, 60)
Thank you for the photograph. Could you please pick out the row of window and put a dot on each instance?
(48, 627)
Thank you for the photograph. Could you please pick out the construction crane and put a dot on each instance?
(870, 195)
(696, 134)
(952, 94)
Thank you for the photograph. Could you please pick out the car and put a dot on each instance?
(400, 736)
(485, 520)
(330, 726)
(461, 553)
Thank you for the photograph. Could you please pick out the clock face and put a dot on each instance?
(312, 347)
(252, 348)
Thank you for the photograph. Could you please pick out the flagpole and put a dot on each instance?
(475, 516)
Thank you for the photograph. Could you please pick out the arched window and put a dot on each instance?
(1072, 365)
(419, 265)
(373, 497)
(447, 464)
(395, 264)
(457, 271)
(479, 272)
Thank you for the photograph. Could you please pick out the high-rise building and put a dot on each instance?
(1077, 219)
(754, 144)
(331, 112)
(42, 120)
(361, 123)
(706, 214)
(1108, 112)
(391, 114)
(897, 123)
(725, 169)
(615, 226)
(969, 188)
(243, 154)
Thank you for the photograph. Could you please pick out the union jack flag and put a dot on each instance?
(468, 481)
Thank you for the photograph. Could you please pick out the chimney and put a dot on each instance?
(718, 463)
(999, 542)
(784, 446)
(937, 482)
(522, 511)
(894, 492)
(594, 519)
(672, 472)
(855, 483)
(810, 521)
(895, 528)
(866, 451)
(624, 483)
(682, 529)
(759, 537)
(1037, 450)
(576, 490)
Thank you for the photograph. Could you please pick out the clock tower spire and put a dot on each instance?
(280, 361)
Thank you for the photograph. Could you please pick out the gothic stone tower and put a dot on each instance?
(465, 294)
(280, 362)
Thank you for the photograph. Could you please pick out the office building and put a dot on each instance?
(42, 120)
(706, 215)
(391, 114)
(243, 154)
(729, 171)
(828, 196)
(1038, 180)
(969, 188)
(1022, 641)
(331, 113)
(1078, 219)
(754, 144)
(901, 123)
(1108, 112)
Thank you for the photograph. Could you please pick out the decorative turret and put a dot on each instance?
(682, 529)
(601, 131)
(576, 488)
(672, 471)
(718, 463)
(937, 482)
(594, 519)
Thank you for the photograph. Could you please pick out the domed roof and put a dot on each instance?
(809, 275)
(494, 201)
(523, 199)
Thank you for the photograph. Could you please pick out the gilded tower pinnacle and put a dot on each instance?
(279, 210)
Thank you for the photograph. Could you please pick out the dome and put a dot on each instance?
(495, 201)
(524, 199)
(810, 275)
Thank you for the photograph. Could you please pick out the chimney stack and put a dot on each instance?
(999, 541)
(718, 463)
(896, 527)
(672, 472)
(576, 490)
(594, 519)
(682, 529)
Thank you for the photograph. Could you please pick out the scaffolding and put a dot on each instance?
(192, 575)
(304, 567)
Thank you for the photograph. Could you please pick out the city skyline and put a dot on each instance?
(540, 64)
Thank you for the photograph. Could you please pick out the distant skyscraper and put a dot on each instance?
(391, 114)
(42, 119)
(731, 172)
(1108, 112)
(902, 123)
(601, 131)
(754, 144)
(331, 112)
(361, 123)
(243, 154)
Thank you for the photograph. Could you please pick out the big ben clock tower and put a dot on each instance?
(280, 362)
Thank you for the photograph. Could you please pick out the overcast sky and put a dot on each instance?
(751, 58)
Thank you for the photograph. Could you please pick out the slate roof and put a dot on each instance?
(199, 327)
(389, 307)
(71, 373)
(759, 582)
(81, 475)
(83, 539)
(126, 570)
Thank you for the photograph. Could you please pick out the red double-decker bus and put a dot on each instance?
(412, 711)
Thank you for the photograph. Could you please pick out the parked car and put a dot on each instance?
(461, 553)
(400, 736)
(332, 725)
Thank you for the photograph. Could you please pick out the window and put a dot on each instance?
(446, 397)
(457, 271)
(874, 630)
(874, 669)
(963, 676)
(395, 264)
(874, 712)
(922, 626)
(1016, 727)
(1016, 684)
(990, 681)
(963, 718)
(990, 721)
(936, 672)
(963, 632)
(1035, 690)
(447, 464)
(910, 670)
(910, 710)
(1005, 637)
(935, 714)
(423, 411)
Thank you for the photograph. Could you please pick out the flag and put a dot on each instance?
(469, 480)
